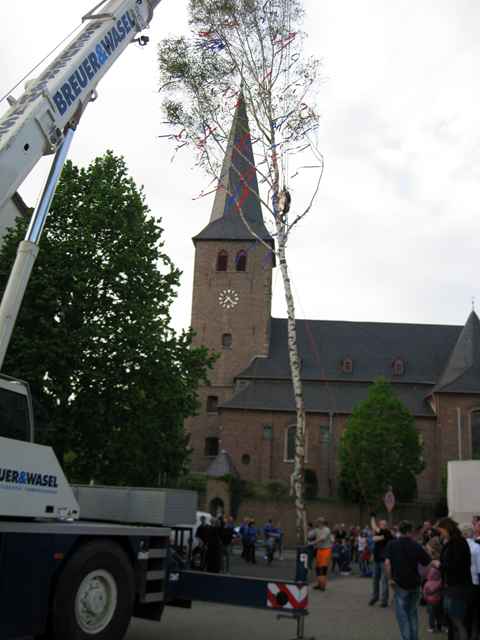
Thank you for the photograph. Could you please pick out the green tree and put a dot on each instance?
(379, 447)
(112, 382)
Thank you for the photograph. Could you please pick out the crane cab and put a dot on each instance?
(16, 412)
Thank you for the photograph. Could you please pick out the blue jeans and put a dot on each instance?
(406, 603)
(380, 578)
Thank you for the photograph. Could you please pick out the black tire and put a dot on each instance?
(106, 556)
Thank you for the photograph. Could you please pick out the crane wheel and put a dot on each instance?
(94, 595)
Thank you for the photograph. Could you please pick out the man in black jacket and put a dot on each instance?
(381, 538)
(402, 557)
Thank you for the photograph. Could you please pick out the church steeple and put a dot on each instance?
(237, 188)
(462, 373)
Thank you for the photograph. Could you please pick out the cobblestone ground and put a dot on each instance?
(341, 613)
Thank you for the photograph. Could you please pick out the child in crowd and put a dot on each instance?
(363, 554)
(344, 558)
(432, 588)
(336, 556)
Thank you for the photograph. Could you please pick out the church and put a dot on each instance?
(248, 408)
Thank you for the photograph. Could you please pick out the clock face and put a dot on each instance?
(228, 298)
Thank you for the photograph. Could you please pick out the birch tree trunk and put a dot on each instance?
(298, 475)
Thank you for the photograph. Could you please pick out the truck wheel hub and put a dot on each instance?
(96, 601)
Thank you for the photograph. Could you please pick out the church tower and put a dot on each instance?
(232, 288)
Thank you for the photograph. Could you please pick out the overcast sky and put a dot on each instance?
(395, 232)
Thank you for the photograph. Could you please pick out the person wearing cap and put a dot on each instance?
(402, 559)
(323, 552)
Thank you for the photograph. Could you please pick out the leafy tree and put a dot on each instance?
(379, 447)
(251, 51)
(112, 382)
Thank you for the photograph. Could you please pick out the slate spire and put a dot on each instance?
(237, 188)
(462, 373)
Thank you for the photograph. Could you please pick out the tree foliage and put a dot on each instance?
(251, 51)
(251, 48)
(112, 382)
(379, 448)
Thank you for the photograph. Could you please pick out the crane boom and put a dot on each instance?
(44, 119)
(34, 125)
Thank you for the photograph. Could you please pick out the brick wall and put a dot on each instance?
(242, 433)
(451, 445)
(248, 323)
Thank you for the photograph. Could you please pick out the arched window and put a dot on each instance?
(475, 433)
(241, 261)
(211, 447)
(227, 341)
(217, 507)
(222, 261)
(212, 404)
(290, 442)
(290, 436)
(347, 365)
(398, 367)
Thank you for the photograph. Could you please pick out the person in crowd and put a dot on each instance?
(227, 534)
(432, 586)
(270, 536)
(473, 614)
(251, 541)
(345, 558)
(323, 552)
(279, 540)
(476, 528)
(455, 562)
(352, 539)
(340, 533)
(214, 547)
(202, 530)
(200, 546)
(363, 554)
(428, 532)
(310, 546)
(242, 532)
(381, 537)
(402, 558)
(336, 549)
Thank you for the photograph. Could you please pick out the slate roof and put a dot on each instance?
(437, 358)
(238, 187)
(222, 466)
(462, 373)
(373, 346)
(321, 397)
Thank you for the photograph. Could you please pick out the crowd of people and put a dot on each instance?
(434, 565)
(437, 566)
(213, 542)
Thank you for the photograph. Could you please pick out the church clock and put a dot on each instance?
(228, 298)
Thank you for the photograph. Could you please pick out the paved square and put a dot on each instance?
(341, 613)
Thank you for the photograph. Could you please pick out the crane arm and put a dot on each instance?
(34, 125)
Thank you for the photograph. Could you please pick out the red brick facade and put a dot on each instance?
(247, 323)
(256, 440)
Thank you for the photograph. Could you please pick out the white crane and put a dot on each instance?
(43, 121)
